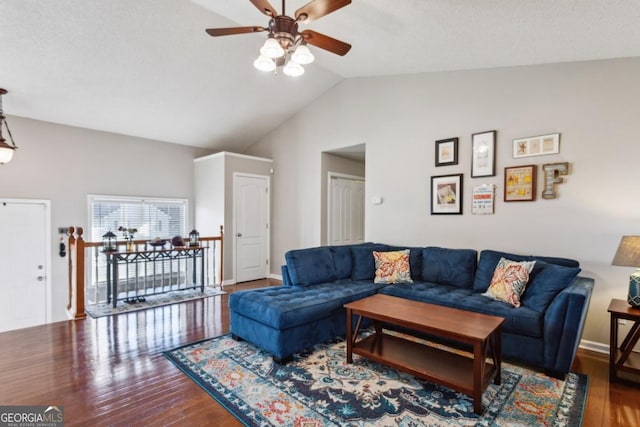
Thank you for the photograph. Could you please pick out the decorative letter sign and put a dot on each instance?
(552, 172)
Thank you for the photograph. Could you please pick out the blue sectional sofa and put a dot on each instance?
(308, 308)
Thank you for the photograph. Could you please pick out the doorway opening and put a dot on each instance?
(343, 195)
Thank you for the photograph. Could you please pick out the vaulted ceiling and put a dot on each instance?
(147, 68)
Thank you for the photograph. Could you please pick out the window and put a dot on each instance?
(152, 217)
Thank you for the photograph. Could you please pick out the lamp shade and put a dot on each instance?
(628, 253)
(6, 152)
(293, 69)
(272, 49)
(264, 64)
(302, 55)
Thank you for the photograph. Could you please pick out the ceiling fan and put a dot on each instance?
(286, 45)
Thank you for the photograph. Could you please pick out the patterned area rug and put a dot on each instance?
(173, 297)
(318, 389)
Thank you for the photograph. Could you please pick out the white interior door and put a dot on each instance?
(346, 210)
(251, 221)
(24, 227)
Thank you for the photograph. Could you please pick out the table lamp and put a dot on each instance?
(628, 255)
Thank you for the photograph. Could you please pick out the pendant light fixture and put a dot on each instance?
(6, 150)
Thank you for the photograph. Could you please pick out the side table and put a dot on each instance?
(622, 358)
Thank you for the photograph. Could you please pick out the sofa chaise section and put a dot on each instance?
(306, 311)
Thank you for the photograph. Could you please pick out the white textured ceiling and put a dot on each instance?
(147, 68)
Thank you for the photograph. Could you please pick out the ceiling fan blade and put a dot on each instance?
(326, 42)
(265, 7)
(318, 8)
(215, 32)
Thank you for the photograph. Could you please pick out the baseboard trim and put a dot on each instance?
(228, 282)
(594, 346)
(276, 276)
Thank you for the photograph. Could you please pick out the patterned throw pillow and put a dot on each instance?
(509, 281)
(392, 267)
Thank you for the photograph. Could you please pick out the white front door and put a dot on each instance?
(346, 210)
(23, 264)
(251, 221)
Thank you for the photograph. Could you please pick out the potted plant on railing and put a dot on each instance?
(128, 234)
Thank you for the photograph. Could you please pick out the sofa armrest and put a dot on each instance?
(563, 324)
(286, 279)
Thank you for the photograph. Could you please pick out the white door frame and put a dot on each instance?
(331, 175)
(235, 231)
(47, 250)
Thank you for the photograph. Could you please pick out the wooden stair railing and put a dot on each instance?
(77, 267)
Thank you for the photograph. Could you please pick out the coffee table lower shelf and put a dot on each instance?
(423, 361)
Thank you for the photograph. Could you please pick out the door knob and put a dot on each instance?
(239, 234)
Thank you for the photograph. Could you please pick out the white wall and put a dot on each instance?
(64, 164)
(214, 175)
(594, 105)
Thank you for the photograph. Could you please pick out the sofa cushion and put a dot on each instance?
(454, 267)
(509, 281)
(342, 261)
(310, 266)
(342, 258)
(283, 307)
(489, 259)
(521, 321)
(392, 267)
(415, 260)
(363, 264)
(545, 283)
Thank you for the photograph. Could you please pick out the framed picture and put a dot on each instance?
(520, 183)
(446, 194)
(536, 145)
(483, 196)
(447, 152)
(483, 154)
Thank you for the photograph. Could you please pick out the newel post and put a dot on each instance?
(71, 245)
(75, 307)
(221, 257)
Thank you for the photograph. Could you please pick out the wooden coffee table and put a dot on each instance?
(460, 372)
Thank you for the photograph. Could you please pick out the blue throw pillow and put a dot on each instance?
(545, 283)
(310, 266)
(363, 265)
(455, 267)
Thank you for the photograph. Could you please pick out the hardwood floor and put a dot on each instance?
(111, 371)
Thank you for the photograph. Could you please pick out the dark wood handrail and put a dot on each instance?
(77, 246)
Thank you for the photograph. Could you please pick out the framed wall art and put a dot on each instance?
(536, 145)
(483, 154)
(520, 183)
(483, 196)
(447, 152)
(446, 194)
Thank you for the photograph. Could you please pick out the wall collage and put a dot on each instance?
(519, 181)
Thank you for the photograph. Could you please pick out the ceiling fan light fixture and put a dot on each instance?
(293, 69)
(263, 63)
(272, 49)
(302, 55)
